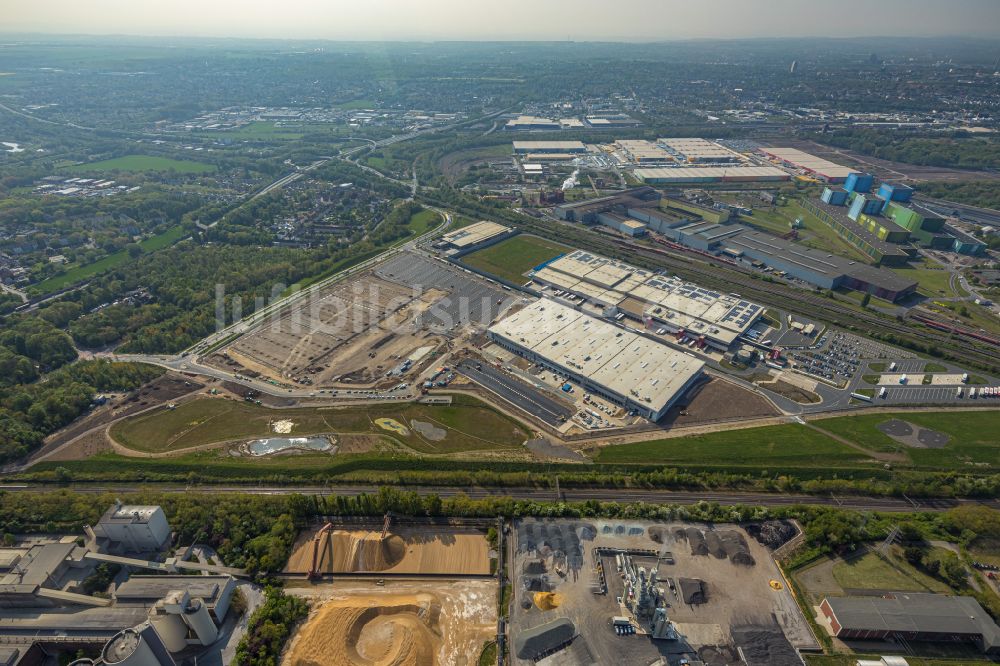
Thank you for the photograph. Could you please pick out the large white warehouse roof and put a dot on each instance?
(638, 369)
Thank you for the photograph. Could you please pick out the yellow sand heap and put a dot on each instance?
(377, 630)
(360, 551)
(547, 600)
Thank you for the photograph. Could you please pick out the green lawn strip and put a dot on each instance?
(87, 271)
(791, 445)
(515, 256)
(139, 163)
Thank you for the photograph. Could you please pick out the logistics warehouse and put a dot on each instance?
(708, 318)
(628, 369)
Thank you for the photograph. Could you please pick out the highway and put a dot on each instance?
(624, 495)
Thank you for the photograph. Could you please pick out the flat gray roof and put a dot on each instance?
(916, 612)
(818, 261)
(138, 588)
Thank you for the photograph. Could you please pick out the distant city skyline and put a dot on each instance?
(581, 20)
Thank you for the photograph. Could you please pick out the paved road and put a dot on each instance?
(524, 397)
(889, 504)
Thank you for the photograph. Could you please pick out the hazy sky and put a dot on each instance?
(613, 20)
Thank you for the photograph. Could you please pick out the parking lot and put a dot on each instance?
(550, 410)
(902, 395)
(838, 360)
(471, 301)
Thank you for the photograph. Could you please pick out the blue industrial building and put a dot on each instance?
(966, 243)
(859, 182)
(895, 192)
(835, 197)
(866, 205)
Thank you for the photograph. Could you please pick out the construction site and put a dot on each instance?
(411, 594)
(372, 330)
(606, 591)
(397, 623)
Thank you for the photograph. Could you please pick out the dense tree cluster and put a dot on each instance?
(955, 151)
(30, 411)
(269, 627)
(31, 345)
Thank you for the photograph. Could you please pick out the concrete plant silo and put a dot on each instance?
(140, 646)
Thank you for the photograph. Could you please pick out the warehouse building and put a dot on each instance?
(627, 369)
(828, 271)
(708, 174)
(912, 617)
(525, 123)
(474, 237)
(586, 212)
(695, 150)
(810, 164)
(700, 316)
(640, 151)
(542, 147)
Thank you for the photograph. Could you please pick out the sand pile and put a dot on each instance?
(406, 550)
(396, 630)
(360, 551)
(547, 600)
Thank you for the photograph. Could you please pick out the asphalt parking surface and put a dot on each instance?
(521, 395)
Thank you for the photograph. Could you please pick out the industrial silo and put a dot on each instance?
(136, 647)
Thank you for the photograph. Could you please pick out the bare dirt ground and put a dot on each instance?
(404, 623)
(405, 550)
(888, 169)
(349, 335)
(718, 400)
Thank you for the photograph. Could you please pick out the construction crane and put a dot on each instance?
(314, 568)
(385, 524)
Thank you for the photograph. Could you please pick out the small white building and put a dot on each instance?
(137, 528)
(884, 661)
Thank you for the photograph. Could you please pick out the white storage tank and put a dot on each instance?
(171, 628)
(196, 616)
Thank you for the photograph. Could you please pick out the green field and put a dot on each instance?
(788, 445)
(930, 281)
(871, 572)
(87, 271)
(140, 163)
(470, 425)
(514, 257)
(423, 222)
(974, 436)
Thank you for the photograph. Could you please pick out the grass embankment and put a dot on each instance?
(512, 258)
(974, 437)
(141, 163)
(872, 572)
(787, 445)
(469, 425)
(87, 271)
(974, 441)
